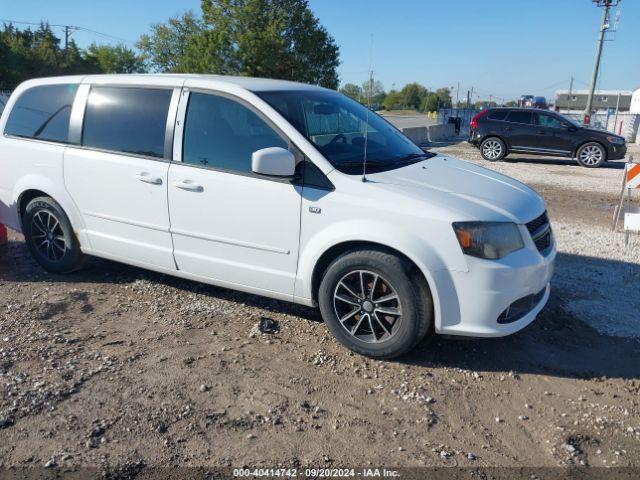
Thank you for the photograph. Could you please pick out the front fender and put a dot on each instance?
(417, 249)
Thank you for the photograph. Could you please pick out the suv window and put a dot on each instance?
(43, 113)
(129, 120)
(518, 116)
(497, 115)
(545, 120)
(222, 133)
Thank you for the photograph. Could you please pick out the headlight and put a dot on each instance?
(490, 240)
(616, 140)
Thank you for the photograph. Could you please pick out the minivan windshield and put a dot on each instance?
(336, 126)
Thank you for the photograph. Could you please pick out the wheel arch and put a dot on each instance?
(32, 186)
(419, 270)
(495, 135)
(583, 143)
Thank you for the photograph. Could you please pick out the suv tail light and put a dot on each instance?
(474, 120)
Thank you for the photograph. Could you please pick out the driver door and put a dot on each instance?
(229, 224)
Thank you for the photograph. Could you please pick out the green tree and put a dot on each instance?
(413, 95)
(173, 47)
(375, 89)
(260, 38)
(431, 103)
(352, 90)
(114, 59)
(444, 97)
(392, 101)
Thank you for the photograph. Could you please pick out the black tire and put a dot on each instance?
(49, 236)
(493, 149)
(413, 302)
(591, 155)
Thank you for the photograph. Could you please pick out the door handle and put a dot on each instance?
(541, 132)
(146, 177)
(189, 186)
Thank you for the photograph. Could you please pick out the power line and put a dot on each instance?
(69, 28)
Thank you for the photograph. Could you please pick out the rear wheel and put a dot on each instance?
(493, 149)
(591, 155)
(373, 304)
(49, 236)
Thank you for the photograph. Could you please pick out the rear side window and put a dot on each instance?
(222, 133)
(128, 120)
(517, 116)
(43, 113)
(497, 115)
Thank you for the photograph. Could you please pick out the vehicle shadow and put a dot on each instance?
(557, 343)
(613, 164)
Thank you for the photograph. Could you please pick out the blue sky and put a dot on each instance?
(499, 47)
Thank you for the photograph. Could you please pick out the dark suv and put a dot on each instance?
(500, 131)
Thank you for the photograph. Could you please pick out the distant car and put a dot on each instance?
(498, 132)
(539, 102)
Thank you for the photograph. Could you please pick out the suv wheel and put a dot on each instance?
(49, 236)
(373, 305)
(591, 155)
(493, 149)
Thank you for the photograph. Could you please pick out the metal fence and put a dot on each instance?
(624, 124)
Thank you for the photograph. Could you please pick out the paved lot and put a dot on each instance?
(406, 121)
(114, 367)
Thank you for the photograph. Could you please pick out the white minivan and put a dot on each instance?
(275, 188)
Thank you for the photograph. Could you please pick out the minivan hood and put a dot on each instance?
(473, 191)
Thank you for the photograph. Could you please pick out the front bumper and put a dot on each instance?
(476, 299)
(616, 152)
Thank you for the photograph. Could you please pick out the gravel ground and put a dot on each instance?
(120, 369)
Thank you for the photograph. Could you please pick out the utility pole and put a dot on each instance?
(68, 31)
(570, 95)
(457, 99)
(604, 26)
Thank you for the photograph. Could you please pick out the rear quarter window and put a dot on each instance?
(497, 115)
(517, 116)
(43, 113)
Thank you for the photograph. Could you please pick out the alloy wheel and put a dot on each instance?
(492, 149)
(591, 155)
(47, 236)
(367, 306)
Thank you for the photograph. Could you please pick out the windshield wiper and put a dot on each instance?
(412, 156)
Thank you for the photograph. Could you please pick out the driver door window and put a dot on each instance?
(221, 133)
(549, 121)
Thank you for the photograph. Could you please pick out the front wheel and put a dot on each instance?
(374, 305)
(493, 149)
(49, 236)
(591, 155)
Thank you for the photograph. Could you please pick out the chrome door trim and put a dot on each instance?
(178, 131)
(77, 114)
(171, 122)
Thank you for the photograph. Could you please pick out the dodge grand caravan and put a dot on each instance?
(275, 188)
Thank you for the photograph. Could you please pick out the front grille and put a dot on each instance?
(540, 231)
(535, 224)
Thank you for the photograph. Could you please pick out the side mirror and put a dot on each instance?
(273, 161)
